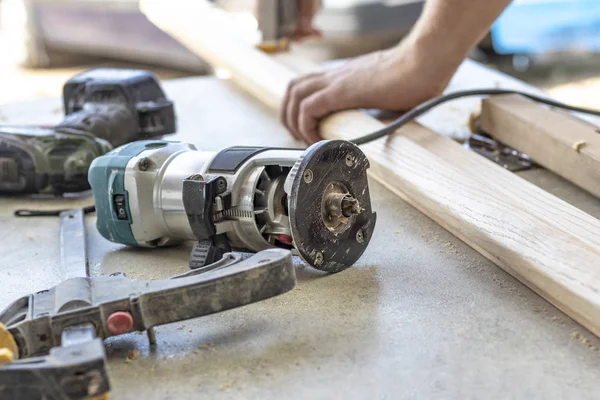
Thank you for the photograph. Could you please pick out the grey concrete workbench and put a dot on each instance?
(420, 316)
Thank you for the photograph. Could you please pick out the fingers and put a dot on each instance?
(313, 108)
(288, 94)
(297, 94)
(310, 98)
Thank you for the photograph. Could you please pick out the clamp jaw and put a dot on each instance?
(57, 333)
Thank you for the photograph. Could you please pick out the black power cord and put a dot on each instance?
(49, 213)
(421, 109)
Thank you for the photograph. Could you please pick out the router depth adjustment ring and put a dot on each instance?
(330, 212)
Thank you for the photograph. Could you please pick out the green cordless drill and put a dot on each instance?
(104, 108)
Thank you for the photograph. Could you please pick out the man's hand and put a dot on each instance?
(396, 79)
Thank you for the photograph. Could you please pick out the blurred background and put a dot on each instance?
(553, 44)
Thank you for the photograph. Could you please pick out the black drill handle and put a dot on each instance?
(114, 123)
(118, 105)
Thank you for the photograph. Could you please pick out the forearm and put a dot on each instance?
(449, 29)
(399, 78)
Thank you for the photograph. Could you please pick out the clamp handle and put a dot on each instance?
(71, 331)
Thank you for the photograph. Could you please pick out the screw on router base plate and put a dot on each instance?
(308, 176)
(360, 236)
(349, 160)
(319, 258)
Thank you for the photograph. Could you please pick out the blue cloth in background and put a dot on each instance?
(541, 26)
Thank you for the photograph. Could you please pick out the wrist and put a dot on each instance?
(445, 53)
(434, 61)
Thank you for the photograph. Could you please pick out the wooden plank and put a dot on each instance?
(544, 242)
(560, 213)
(556, 140)
(557, 264)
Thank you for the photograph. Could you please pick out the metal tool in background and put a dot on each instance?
(351, 28)
(501, 154)
(315, 202)
(505, 156)
(104, 108)
(277, 20)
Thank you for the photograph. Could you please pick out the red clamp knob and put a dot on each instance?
(119, 322)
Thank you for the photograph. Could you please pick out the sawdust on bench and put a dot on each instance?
(132, 355)
(583, 340)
